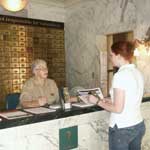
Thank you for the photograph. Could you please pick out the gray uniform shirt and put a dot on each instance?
(32, 90)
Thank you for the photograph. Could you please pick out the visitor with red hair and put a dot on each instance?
(126, 126)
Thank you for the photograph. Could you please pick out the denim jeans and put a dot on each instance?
(128, 138)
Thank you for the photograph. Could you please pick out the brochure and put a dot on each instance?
(93, 91)
(14, 114)
(83, 96)
(39, 110)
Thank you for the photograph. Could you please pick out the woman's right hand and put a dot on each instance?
(73, 99)
(42, 101)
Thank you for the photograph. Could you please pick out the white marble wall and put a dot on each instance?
(92, 133)
(87, 20)
(52, 10)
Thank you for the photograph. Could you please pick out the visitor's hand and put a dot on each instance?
(42, 100)
(93, 99)
(84, 98)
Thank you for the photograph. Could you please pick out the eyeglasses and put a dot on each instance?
(42, 69)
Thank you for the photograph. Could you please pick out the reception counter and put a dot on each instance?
(42, 132)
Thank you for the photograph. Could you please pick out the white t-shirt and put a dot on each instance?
(131, 81)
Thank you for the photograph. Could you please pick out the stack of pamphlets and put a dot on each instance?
(14, 114)
(39, 110)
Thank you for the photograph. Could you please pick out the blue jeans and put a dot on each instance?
(128, 138)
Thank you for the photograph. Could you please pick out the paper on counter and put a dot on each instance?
(55, 106)
(39, 110)
(82, 104)
(14, 114)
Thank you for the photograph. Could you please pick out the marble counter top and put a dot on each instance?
(42, 131)
(5, 123)
(51, 116)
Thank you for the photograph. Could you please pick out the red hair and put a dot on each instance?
(124, 48)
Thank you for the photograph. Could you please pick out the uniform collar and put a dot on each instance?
(36, 82)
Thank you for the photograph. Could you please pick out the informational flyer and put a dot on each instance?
(39, 110)
(93, 91)
(14, 114)
(83, 96)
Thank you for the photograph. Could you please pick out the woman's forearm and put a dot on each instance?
(109, 106)
(29, 104)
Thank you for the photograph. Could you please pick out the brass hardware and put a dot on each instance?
(22, 65)
(14, 65)
(21, 49)
(22, 44)
(21, 28)
(21, 33)
(23, 70)
(15, 70)
(13, 27)
(21, 39)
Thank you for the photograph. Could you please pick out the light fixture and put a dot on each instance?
(142, 48)
(14, 5)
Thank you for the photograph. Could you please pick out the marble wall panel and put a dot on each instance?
(85, 21)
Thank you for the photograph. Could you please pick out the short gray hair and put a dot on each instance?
(37, 63)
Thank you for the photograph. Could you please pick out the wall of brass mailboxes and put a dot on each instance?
(19, 45)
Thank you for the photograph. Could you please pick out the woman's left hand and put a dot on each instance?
(92, 99)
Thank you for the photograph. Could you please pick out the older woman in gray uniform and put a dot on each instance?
(39, 90)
